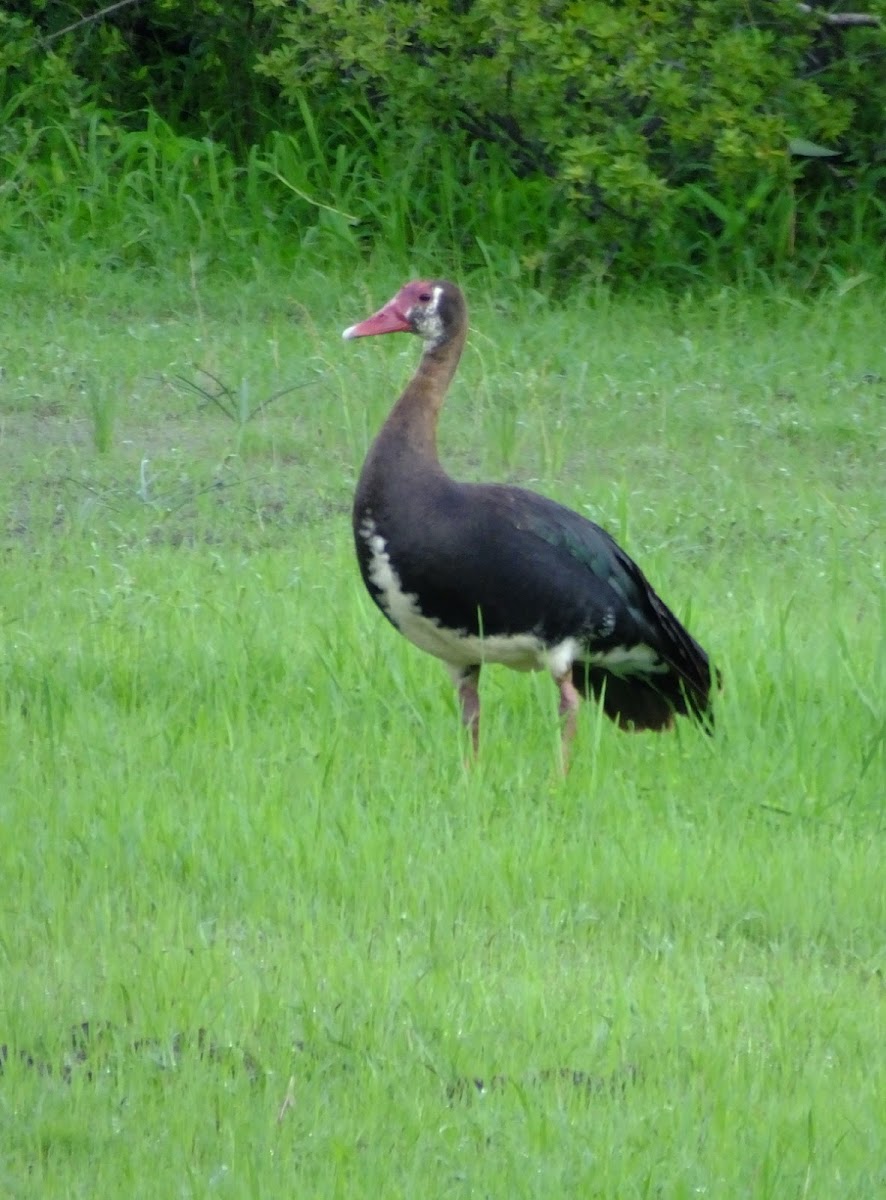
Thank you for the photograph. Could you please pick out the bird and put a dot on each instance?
(487, 573)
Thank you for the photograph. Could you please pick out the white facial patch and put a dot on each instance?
(427, 320)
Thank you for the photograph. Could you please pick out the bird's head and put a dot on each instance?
(432, 309)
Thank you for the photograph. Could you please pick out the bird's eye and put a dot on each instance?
(425, 297)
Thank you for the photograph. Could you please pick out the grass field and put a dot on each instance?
(238, 837)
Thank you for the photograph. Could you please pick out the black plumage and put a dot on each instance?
(480, 573)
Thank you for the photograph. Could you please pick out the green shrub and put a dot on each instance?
(38, 88)
(560, 137)
(192, 63)
(667, 131)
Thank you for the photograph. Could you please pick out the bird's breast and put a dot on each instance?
(412, 612)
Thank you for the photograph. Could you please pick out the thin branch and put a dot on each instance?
(276, 396)
(100, 494)
(349, 217)
(217, 398)
(840, 19)
(226, 400)
(87, 20)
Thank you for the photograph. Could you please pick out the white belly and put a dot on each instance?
(458, 648)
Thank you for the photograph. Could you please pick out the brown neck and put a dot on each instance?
(414, 416)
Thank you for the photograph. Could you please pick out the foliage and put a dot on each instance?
(91, 191)
(190, 62)
(563, 140)
(37, 89)
(658, 121)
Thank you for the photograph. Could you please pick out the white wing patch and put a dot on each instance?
(607, 624)
(628, 660)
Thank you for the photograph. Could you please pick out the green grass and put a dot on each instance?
(87, 195)
(233, 800)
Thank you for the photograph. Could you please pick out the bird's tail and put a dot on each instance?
(651, 701)
(641, 702)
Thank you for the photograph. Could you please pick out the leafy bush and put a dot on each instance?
(44, 107)
(81, 180)
(193, 63)
(550, 138)
(37, 88)
(668, 131)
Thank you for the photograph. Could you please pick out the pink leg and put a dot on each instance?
(569, 704)
(469, 698)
